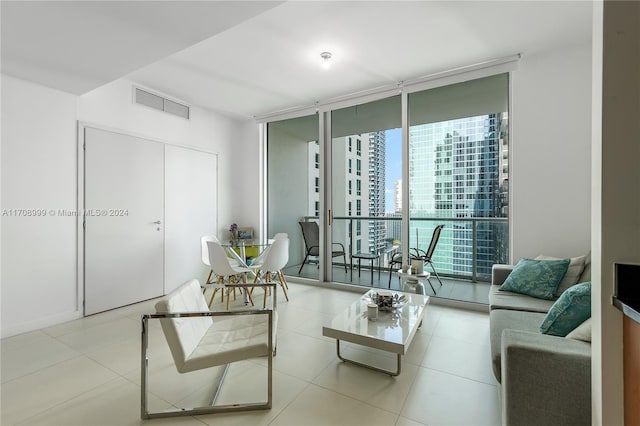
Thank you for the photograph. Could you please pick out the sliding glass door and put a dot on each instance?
(347, 170)
(459, 174)
(365, 170)
(293, 187)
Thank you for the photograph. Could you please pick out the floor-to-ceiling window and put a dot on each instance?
(366, 148)
(345, 167)
(293, 184)
(459, 174)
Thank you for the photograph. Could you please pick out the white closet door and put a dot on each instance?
(123, 245)
(190, 212)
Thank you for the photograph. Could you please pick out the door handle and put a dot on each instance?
(157, 222)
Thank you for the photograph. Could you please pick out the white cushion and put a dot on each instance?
(184, 334)
(581, 332)
(576, 266)
(202, 342)
(586, 273)
(231, 339)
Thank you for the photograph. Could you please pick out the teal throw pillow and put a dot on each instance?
(571, 309)
(536, 278)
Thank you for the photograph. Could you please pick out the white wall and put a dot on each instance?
(550, 164)
(111, 105)
(39, 170)
(246, 178)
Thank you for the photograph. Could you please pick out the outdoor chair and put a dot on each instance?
(311, 235)
(419, 254)
(427, 256)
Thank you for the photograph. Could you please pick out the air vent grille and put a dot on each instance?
(154, 101)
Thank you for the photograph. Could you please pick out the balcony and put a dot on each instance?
(466, 251)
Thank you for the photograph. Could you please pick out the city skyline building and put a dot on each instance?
(359, 175)
(377, 167)
(397, 188)
(351, 189)
(458, 169)
(468, 180)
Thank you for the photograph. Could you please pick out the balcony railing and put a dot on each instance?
(468, 247)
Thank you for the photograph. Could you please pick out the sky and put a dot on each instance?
(393, 141)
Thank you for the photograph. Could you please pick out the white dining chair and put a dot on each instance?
(225, 270)
(271, 267)
(204, 251)
(263, 255)
(209, 283)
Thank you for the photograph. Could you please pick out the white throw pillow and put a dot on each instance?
(573, 272)
(581, 332)
(586, 272)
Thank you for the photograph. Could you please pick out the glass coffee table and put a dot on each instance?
(393, 330)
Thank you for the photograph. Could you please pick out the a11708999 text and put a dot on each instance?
(64, 212)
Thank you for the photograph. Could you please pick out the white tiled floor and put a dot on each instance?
(87, 372)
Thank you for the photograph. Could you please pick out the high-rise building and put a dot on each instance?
(358, 177)
(398, 195)
(376, 167)
(313, 183)
(394, 227)
(351, 188)
(458, 169)
(467, 180)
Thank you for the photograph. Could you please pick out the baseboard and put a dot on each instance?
(39, 323)
(459, 304)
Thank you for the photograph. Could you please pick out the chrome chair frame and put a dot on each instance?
(144, 411)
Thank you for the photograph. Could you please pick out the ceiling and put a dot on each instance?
(252, 58)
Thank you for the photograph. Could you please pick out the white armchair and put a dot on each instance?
(199, 339)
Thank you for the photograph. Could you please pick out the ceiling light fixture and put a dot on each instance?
(326, 56)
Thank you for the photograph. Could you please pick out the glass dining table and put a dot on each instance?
(246, 251)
